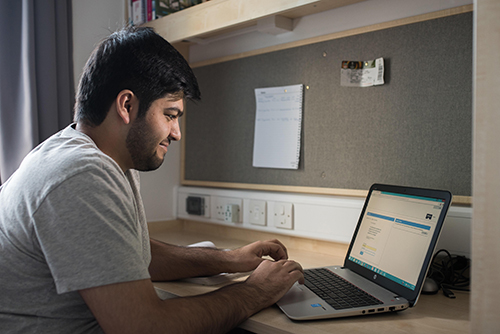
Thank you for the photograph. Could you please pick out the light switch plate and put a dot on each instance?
(283, 215)
(257, 212)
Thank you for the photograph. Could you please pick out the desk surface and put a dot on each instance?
(432, 313)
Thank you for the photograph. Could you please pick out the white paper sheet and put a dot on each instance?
(362, 73)
(278, 122)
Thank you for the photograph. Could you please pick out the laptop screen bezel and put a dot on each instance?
(398, 289)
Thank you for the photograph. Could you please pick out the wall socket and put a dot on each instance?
(283, 215)
(257, 212)
(221, 205)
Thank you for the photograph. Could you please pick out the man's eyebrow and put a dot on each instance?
(174, 109)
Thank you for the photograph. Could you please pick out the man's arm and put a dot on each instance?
(171, 262)
(133, 307)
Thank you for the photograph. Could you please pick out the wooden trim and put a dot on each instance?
(278, 188)
(219, 16)
(347, 33)
(183, 147)
(183, 48)
(486, 176)
(457, 200)
(462, 200)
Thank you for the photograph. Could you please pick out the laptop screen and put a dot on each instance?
(394, 235)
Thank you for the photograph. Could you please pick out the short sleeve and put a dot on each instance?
(89, 233)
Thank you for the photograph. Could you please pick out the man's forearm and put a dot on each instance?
(218, 311)
(173, 262)
(133, 307)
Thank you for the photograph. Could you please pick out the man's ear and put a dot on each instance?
(126, 105)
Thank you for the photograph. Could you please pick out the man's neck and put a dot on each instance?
(110, 140)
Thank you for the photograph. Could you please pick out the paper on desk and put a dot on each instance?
(162, 294)
(278, 121)
(362, 73)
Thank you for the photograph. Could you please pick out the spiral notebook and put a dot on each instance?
(278, 124)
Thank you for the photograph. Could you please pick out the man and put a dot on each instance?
(76, 255)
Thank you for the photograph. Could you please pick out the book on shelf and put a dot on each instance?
(166, 7)
(142, 11)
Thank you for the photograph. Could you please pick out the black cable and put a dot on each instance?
(450, 272)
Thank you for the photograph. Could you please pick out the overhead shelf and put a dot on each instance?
(218, 17)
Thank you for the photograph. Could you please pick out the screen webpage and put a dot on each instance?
(395, 234)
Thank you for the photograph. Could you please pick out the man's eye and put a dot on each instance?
(171, 117)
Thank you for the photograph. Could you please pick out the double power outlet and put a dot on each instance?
(228, 209)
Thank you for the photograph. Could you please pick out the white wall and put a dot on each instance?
(92, 21)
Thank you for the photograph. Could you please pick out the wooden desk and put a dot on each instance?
(432, 313)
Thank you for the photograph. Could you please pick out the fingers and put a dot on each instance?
(274, 278)
(292, 265)
(250, 256)
(285, 267)
(275, 249)
(295, 269)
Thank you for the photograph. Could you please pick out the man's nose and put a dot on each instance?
(175, 132)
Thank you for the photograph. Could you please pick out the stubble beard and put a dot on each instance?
(142, 147)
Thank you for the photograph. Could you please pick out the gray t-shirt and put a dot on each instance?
(70, 219)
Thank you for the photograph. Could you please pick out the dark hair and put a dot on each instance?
(134, 58)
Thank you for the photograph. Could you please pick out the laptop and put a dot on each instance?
(387, 260)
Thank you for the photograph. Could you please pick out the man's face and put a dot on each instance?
(149, 136)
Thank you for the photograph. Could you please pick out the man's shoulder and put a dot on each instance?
(64, 156)
(70, 152)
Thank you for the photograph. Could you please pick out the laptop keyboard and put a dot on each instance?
(336, 291)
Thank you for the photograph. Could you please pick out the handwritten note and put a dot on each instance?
(278, 122)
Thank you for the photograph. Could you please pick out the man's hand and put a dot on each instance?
(250, 256)
(274, 279)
